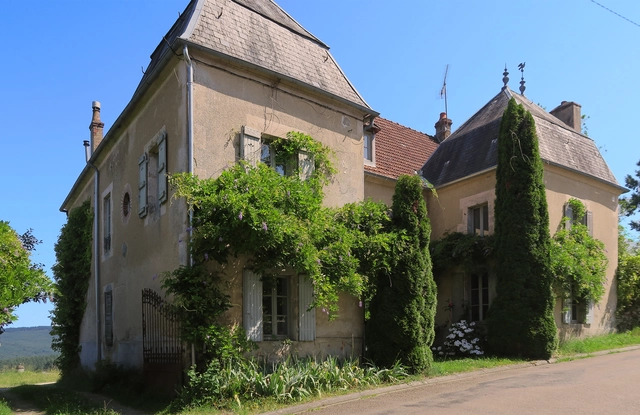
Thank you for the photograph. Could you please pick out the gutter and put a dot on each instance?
(96, 249)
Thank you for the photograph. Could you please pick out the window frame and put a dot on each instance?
(274, 295)
(368, 148)
(483, 217)
(483, 298)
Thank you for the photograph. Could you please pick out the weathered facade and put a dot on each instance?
(230, 74)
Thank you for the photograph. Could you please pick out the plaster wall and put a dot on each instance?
(141, 248)
(379, 189)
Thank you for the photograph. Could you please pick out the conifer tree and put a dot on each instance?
(403, 308)
(520, 320)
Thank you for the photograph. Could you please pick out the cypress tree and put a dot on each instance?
(520, 320)
(403, 307)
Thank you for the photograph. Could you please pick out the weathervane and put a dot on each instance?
(522, 82)
(505, 77)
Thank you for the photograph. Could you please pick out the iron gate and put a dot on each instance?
(161, 342)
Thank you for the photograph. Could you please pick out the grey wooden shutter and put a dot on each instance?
(470, 229)
(306, 165)
(142, 186)
(252, 305)
(590, 222)
(588, 318)
(162, 168)
(307, 318)
(108, 316)
(568, 212)
(566, 311)
(250, 145)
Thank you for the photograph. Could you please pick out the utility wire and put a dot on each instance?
(617, 14)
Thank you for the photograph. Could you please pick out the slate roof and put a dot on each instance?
(399, 149)
(472, 148)
(260, 33)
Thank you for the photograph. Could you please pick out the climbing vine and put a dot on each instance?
(71, 272)
(470, 251)
(277, 221)
(578, 260)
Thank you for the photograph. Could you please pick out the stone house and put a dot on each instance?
(463, 171)
(228, 77)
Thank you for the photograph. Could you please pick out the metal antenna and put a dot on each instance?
(443, 91)
(522, 81)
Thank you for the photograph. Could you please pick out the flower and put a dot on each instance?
(206, 256)
(360, 304)
(240, 215)
(264, 226)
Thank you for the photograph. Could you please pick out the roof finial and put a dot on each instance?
(522, 81)
(505, 77)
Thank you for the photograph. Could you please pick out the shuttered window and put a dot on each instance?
(307, 318)
(142, 186)
(252, 305)
(108, 316)
(306, 165)
(250, 146)
(162, 168)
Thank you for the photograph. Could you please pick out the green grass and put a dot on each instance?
(599, 343)
(9, 379)
(4, 408)
(451, 366)
(60, 401)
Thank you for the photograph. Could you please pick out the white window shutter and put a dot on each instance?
(307, 318)
(252, 305)
(162, 168)
(566, 311)
(590, 222)
(588, 319)
(250, 146)
(142, 186)
(306, 165)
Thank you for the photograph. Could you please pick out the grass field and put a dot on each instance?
(9, 379)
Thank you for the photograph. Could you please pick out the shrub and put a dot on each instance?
(464, 339)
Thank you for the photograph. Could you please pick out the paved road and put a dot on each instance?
(608, 384)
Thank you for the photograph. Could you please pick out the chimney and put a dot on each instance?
(96, 127)
(570, 113)
(443, 128)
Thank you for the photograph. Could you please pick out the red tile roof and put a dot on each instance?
(399, 149)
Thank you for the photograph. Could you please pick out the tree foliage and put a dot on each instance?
(578, 261)
(71, 272)
(520, 320)
(404, 304)
(21, 280)
(630, 204)
(628, 277)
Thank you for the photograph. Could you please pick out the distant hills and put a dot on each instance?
(25, 342)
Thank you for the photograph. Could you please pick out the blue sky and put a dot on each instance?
(61, 55)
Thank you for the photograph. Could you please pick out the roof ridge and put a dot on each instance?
(408, 128)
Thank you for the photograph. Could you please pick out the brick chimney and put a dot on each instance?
(96, 127)
(443, 128)
(570, 113)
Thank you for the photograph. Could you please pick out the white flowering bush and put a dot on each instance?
(463, 340)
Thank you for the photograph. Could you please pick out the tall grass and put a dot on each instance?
(599, 343)
(4, 408)
(60, 401)
(292, 380)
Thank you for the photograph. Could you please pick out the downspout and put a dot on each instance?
(185, 52)
(96, 247)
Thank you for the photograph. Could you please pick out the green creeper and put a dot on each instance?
(403, 307)
(72, 272)
(520, 320)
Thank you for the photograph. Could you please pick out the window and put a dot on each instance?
(152, 175)
(479, 296)
(479, 220)
(254, 148)
(576, 310)
(106, 225)
(268, 306)
(275, 307)
(368, 146)
(108, 316)
(586, 220)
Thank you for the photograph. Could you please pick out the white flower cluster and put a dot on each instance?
(461, 340)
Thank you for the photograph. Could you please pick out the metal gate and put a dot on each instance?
(161, 344)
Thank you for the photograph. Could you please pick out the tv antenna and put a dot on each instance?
(443, 91)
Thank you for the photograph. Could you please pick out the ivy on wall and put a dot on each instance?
(72, 272)
(578, 260)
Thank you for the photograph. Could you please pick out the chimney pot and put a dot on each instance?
(443, 128)
(96, 127)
